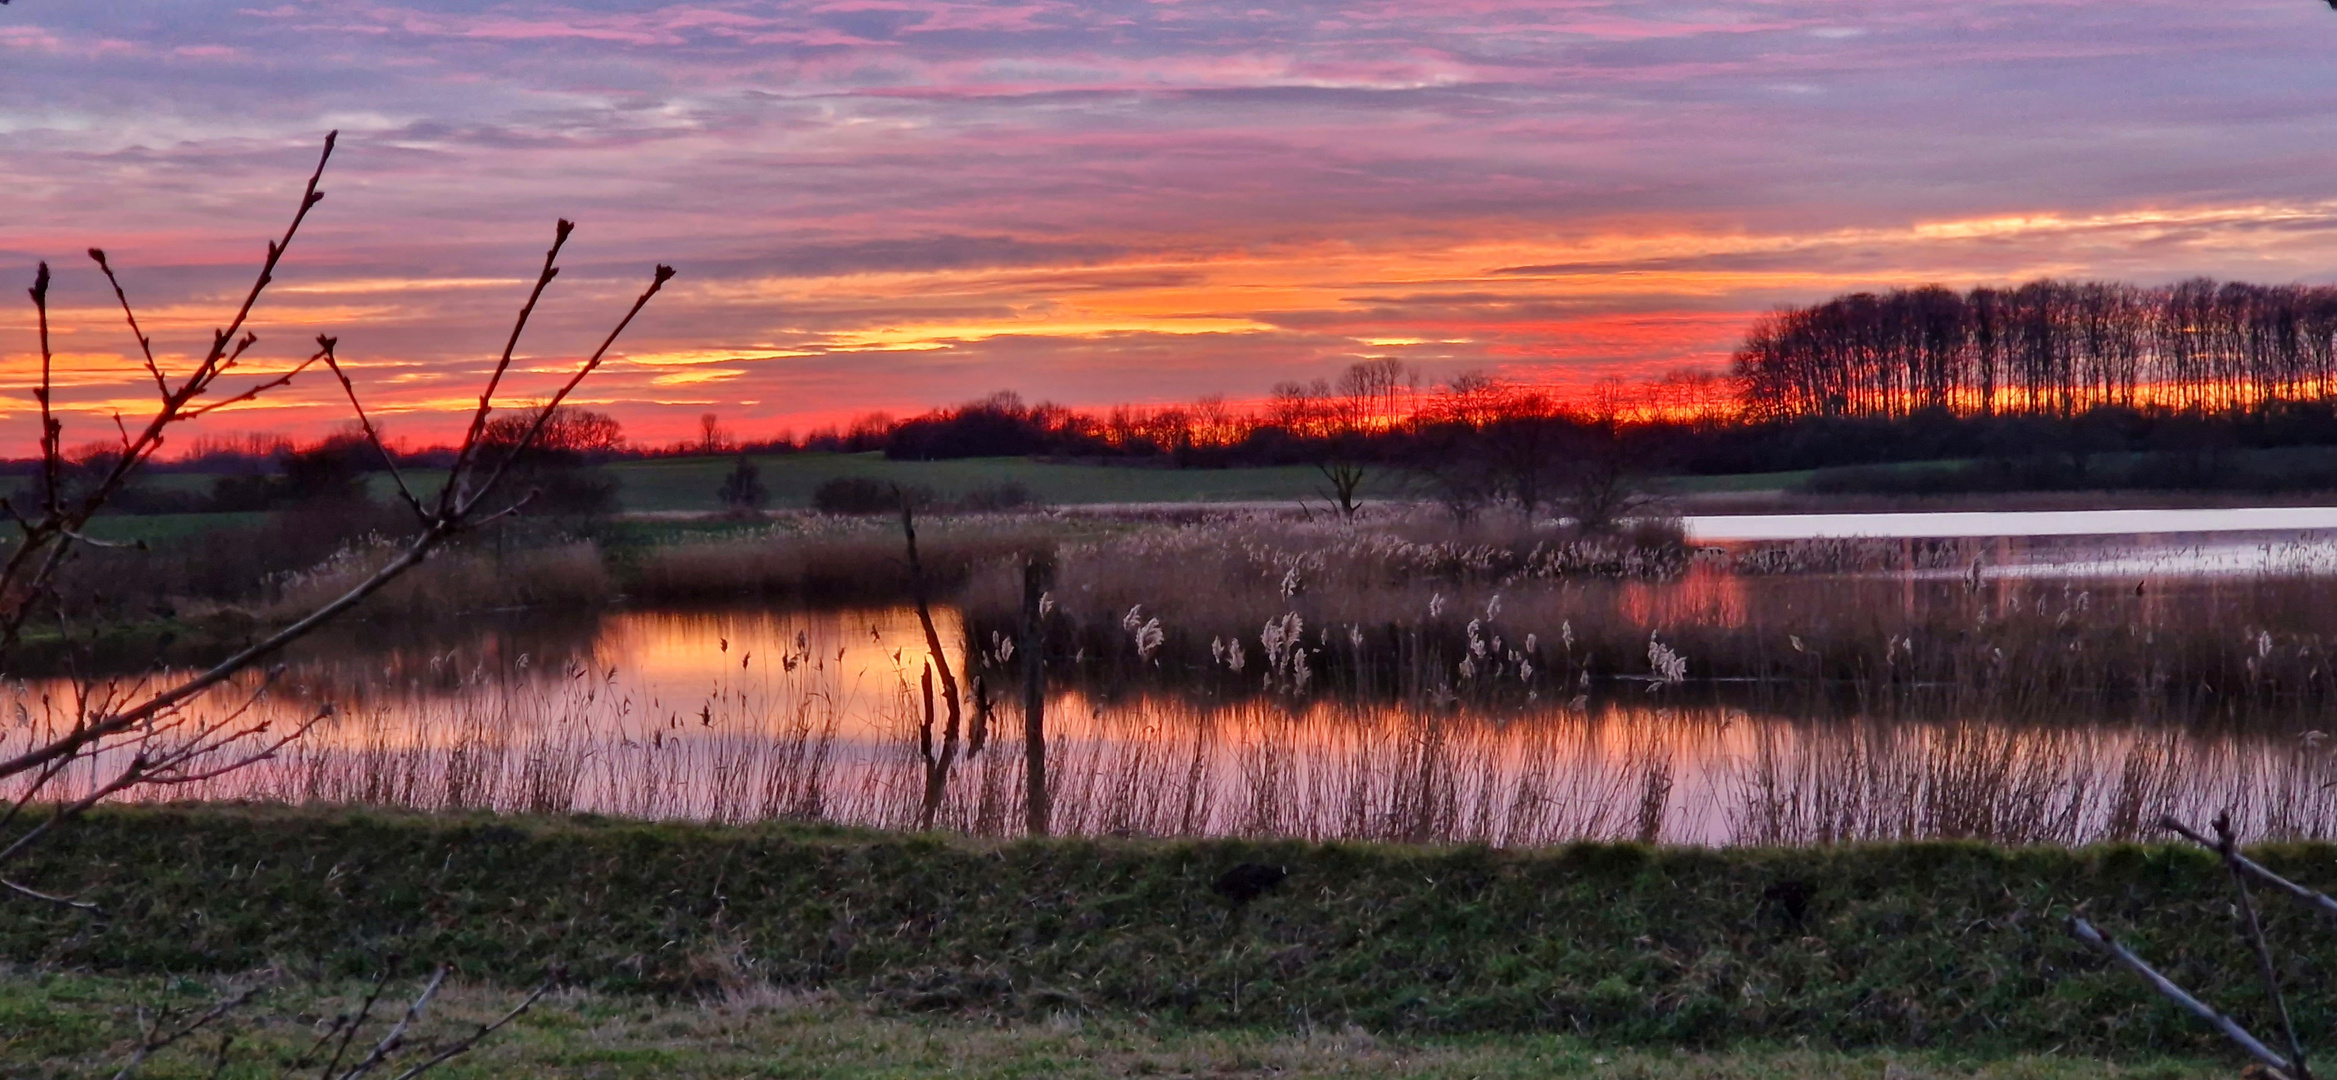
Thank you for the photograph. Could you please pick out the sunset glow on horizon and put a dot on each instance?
(898, 204)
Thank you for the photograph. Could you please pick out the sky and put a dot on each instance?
(896, 204)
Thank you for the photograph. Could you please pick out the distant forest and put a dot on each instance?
(2053, 347)
(2050, 385)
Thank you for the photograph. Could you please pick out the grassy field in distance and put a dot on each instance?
(688, 484)
(671, 484)
(1733, 484)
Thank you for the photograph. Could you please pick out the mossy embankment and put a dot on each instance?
(1918, 945)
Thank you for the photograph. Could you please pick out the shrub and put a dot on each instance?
(862, 495)
(1006, 495)
(742, 492)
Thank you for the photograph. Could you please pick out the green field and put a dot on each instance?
(1735, 484)
(688, 485)
(669, 484)
(65, 1025)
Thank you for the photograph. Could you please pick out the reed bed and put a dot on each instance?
(1259, 676)
(455, 580)
(779, 744)
(1539, 615)
(828, 558)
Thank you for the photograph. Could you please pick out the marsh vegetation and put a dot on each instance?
(1260, 674)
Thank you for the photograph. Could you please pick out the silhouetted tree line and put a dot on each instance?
(1370, 399)
(2034, 382)
(2054, 347)
(557, 469)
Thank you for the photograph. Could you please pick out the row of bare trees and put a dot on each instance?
(2048, 346)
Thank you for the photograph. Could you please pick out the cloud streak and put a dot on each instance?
(885, 204)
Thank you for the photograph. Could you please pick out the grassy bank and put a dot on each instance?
(1950, 947)
(61, 1025)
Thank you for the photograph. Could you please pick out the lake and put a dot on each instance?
(754, 714)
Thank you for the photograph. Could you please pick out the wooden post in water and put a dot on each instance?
(936, 765)
(1035, 577)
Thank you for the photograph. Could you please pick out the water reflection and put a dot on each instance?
(736, 716)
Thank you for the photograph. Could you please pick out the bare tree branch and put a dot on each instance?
(145, 345)
(396, 1037)
(167, 743)
(464, 1045)
(657, 280)
(325, 347)
(449, 497)
(155, 1041)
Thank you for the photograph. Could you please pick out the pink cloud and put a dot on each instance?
(883, 203)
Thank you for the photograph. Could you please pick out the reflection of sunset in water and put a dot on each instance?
(678, 660)
(1708, 595)
(737, 716)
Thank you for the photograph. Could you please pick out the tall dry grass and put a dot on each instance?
(1395, 680)
(778, 742)
(1534, 615)
(453, 581)
(828, 559)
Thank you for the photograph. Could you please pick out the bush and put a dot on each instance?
(1660, 534)
(1007, 495)
(742, 492)
(862, 495)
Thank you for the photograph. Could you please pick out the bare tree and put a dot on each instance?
(1344, 475)
(712, 439)
(153, 733)
(2054, 347)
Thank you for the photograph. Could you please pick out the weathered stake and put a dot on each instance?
(937, 764)
(1036, 575)
(2085, 932)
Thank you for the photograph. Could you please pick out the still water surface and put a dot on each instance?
(746, 715)
(2014, 523)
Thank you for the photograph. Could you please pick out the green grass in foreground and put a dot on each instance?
(1937, 945)
(65, 1025)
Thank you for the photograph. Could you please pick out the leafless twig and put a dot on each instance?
(156, 1040)
(464, 1045)
(937, 763)
(396, 1036)
(146, 738)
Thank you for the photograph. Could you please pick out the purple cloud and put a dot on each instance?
(889, 203)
